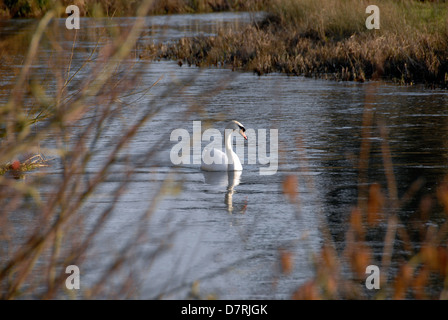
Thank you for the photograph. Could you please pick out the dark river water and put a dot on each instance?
(226, 233)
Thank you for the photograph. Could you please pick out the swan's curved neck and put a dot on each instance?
(228, 141)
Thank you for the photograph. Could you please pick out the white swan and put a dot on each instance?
(229, 160)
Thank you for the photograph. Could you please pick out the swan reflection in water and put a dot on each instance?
(229, 179)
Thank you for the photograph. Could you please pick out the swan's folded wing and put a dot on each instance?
(214, 160)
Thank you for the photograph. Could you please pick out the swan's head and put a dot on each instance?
(235, 125)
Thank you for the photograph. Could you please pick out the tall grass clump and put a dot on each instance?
(329, 39)
(335, 19)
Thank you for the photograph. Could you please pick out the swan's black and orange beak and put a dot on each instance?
(242, 130)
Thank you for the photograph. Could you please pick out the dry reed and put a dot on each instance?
(329, 39)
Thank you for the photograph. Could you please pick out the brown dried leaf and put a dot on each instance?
(290, 187)
(374, 204)
(286, 261)
(356, 221)
(308, 291)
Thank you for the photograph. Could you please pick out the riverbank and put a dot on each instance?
(329, 39)
(120, 8)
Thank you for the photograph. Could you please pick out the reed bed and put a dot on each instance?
(329, 39)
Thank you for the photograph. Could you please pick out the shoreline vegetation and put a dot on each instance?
(314, 38)
(120, 8)
(329, 39)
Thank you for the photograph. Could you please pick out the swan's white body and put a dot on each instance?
(228, 160)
